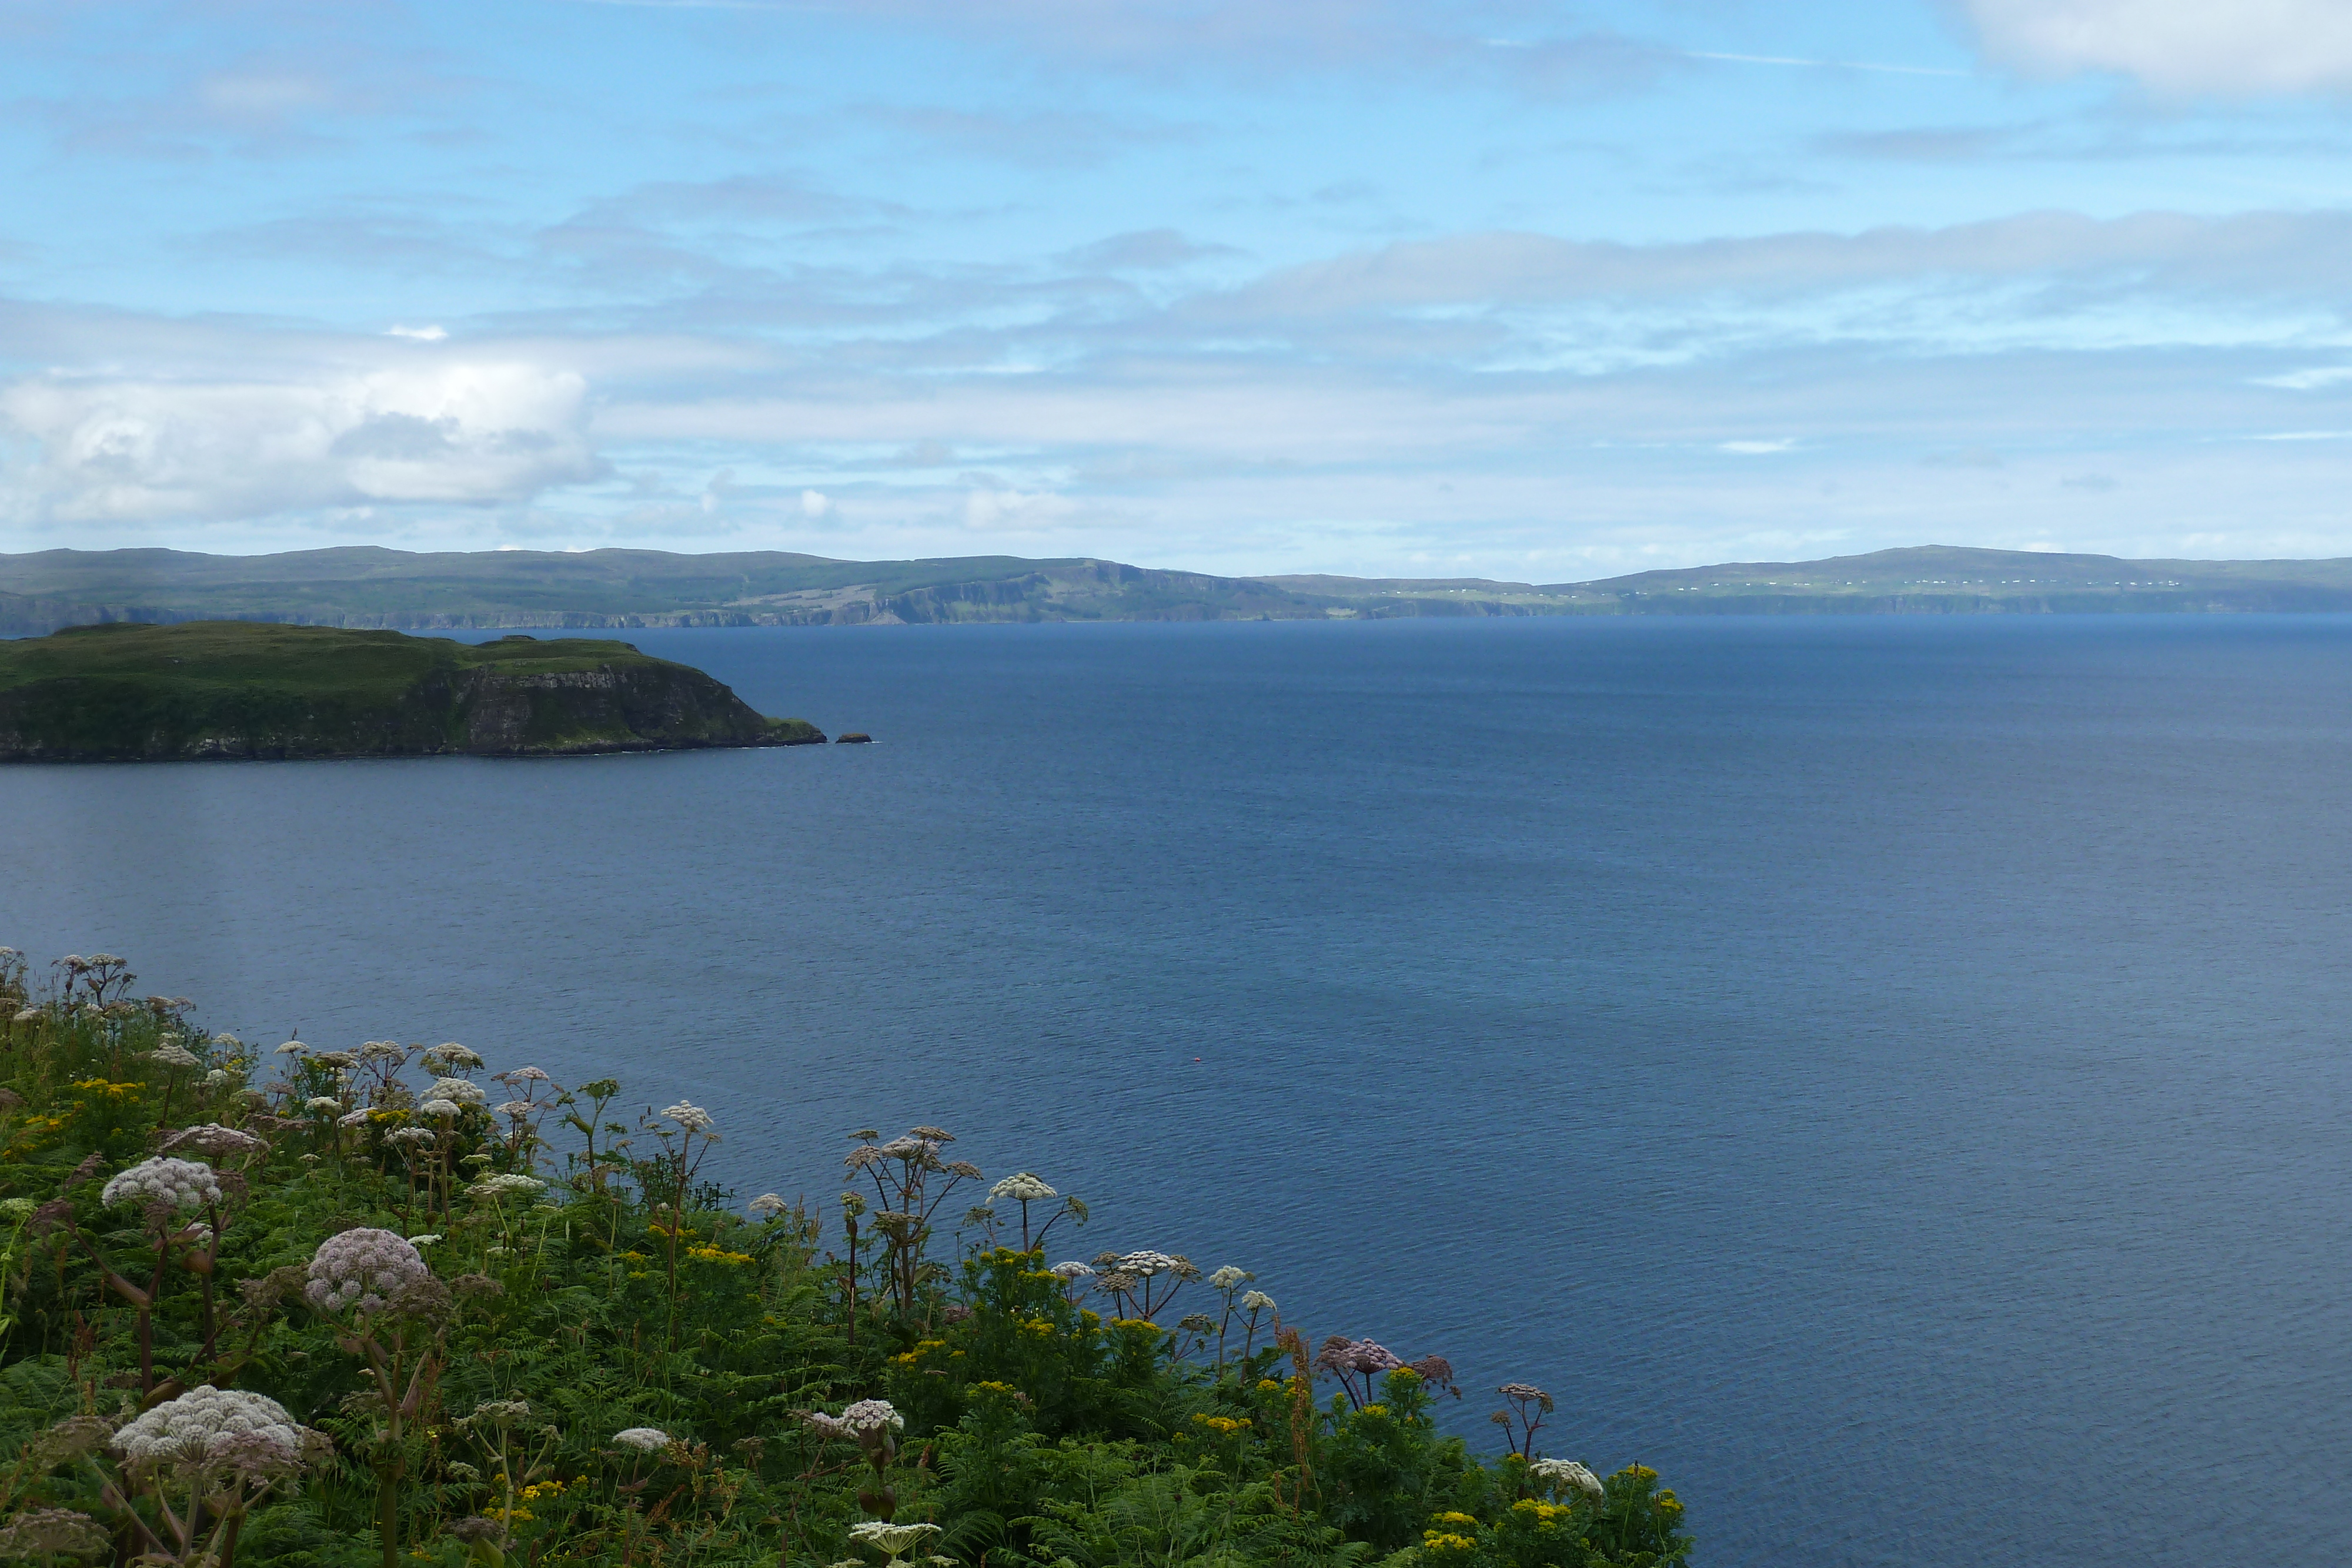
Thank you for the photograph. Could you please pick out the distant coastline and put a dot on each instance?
(365, 586)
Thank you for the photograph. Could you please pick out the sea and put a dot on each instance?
(1888, 1075)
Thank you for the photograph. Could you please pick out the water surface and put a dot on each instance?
(1885, 1074)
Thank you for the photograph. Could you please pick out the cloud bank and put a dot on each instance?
(2236, 47)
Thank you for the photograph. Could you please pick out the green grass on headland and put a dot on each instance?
(229, 688)
(389, 1305)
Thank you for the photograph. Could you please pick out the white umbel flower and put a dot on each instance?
(644, 1439)
(1567, 1474)
(692, 1116)
(1020, 1187)
(207, 1424)
(1073, 1269)
(359, 1269)
(322, 1102)
(437, 1108)
(505, 1186)
(179, 1183)
(1257, 1302)
(1229, 1277)
(873, 1415)
(457, 1089)
(358, 1118)
(216, 1141)
(767, 1206)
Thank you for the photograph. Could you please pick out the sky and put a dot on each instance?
(1531, 291)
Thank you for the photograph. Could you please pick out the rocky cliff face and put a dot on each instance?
(611, 709)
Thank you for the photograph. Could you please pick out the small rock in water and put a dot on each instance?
(855, 737)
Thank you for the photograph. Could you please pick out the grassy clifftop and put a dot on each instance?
(240, 689)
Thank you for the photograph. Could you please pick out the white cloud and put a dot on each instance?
(417, 334)
(2231, 46)
(816, 504)
(1015, 511)
(124, 450)
(1755, 448)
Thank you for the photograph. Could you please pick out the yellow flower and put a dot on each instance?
(709, 1253)
(995, 1387)
(1639, 1472)
(1446, 1541)
(1455, 1518)
(1268, 1386)
(1378, 1412)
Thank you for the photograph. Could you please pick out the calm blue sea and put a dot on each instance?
(1887, 1074)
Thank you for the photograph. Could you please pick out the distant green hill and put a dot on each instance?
(367, 587)
(126, 692)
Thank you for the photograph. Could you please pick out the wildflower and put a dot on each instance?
(217, 1078)
(516, 1109)
(1258, 1302)
(1197, 1322)
(322, 1102)
(1072, 1270)
(457, 1089)
(1567, 1475)
(427, 1239)
(496, 1186)
(361, 1268)
(523, 1075)
(172, 1053)
(442, 1058)
(40, 1533)
(1526, 1391)
(1145, 1265)
(1021, 1188)
(1228, 1277)
(1340, 1353)
(502, 1412)
(384, 1051)
(437, 1108)
(358, 1118)
(31, 1015)
(692, 1117)
(341, 1059)
(767, 1206)
(644, 1439)
(418, 1135)
(895, 1540)
(208, 1425)
(873, 1415)
(216, 1141)
(18, 1208)
(176, 1183)
(935, 1135)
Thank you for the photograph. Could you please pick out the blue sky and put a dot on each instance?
(1531, 291)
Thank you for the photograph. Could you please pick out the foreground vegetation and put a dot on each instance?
(386, 1305)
